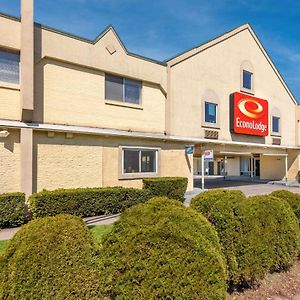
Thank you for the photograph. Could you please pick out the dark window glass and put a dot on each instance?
(132, 91)
(9, 67)
(210, 112)
(122, 89)
(275, 124)
(131, 161)
(148, 163)
(247, 80)
(113, 87)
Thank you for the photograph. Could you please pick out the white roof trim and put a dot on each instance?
(128, 134)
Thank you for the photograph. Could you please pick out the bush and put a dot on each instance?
(171, 187)
(51, 258)
(163, 250)
(204, 202)
(292, 199)
(12, 210)
(85, 202)
(270, 237)
(258, 235)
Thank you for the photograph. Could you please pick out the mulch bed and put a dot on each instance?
(277, 286)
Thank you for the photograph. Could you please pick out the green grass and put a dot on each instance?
(98, 231)
(2, 245)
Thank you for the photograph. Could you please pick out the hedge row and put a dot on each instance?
(157, 250)
(258, 234)
(87, 202)
(12, 210)
(171, 187)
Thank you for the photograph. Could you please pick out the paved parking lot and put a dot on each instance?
(249, 188)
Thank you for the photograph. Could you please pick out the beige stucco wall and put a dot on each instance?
(13, 39)
(93, 161)
(67, 163)
(10, 163)
(272, 167)
(75, 95)
(10, 103)
(216, 71)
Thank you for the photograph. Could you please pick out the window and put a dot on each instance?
(247, 80)
(139, 160)
(275, 124)
(210, 112)
(9, 67)
(122, 89)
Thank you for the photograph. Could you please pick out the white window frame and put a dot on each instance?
(251, 80)
(124, 175)
(279, 125)
(216, 105)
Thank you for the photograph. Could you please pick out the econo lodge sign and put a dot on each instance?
(249, 115)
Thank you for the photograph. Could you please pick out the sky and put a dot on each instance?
(161, 29)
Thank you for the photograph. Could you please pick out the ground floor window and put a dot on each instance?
(139, 160)
(245, 166)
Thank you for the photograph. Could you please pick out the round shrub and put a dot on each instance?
(51, 258)
(205, 201)
(269, 239)
(163, 250)
(292, 199)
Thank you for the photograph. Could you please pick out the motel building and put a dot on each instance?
(88, 113)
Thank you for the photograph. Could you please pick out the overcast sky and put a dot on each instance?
(161, 29)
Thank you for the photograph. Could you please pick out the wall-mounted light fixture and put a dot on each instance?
(4, 134)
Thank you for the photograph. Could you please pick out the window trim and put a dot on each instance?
(275, 133)
(123, 102)
(138, 175)
(251, 80)
(208, 124)
(216, 117)
(247, 67)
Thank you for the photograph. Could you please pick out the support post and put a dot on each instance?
(202, 171)
(225, 167)
(27, 161)
(286, 168)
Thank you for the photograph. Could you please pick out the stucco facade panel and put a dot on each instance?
(217, 69)
(11, 40)
(75, 96)
(272, 167)
(67, 163)
(10, 172)
(10, 104)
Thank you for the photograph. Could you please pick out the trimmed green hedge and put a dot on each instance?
(85, 202)
(204, 202)
(258, 235)
(163, 250)
(270, 237)
(292, 199)
(171, 187)
(51, 258)
(12, 210)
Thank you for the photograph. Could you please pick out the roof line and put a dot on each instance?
(203, 43)
(86, 40)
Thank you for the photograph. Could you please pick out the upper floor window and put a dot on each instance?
(139, 160)
(275, 124)
(210, 112)
(122, 89)
(9, 67)
(247, 80)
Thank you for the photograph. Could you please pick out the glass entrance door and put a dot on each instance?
(256, 167)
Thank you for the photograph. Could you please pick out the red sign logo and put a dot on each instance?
(250, 115)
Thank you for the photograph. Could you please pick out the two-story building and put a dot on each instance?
(82, 113)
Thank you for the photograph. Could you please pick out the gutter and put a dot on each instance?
(133, 134)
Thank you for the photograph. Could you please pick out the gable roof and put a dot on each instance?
(202, 47)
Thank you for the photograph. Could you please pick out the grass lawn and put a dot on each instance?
(98, 231)
(2, 245)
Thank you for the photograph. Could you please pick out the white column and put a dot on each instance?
(225, 167)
